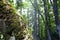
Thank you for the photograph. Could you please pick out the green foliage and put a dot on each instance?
(19, 23)
(25, 18)
(25, 4)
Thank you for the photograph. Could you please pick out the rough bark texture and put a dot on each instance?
(13, 21)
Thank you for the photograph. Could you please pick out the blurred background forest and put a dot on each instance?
(29, 19)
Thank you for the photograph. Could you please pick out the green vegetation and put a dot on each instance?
(30, 19)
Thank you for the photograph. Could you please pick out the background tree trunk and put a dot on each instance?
(47, 20)
(55, 10)
(35, 21)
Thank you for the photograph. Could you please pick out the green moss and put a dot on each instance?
(13, 21)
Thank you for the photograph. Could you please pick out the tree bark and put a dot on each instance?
(55, 10)
(35, 21)
(47, 20)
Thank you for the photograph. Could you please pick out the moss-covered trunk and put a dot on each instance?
(14, 22)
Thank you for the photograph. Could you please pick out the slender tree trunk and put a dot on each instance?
(6, 37)
(35, 21)
(3, 25)
(28, 16)
(38, 27)
(21, 7)
(55, 10)
(47, 20)
(37, 8)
